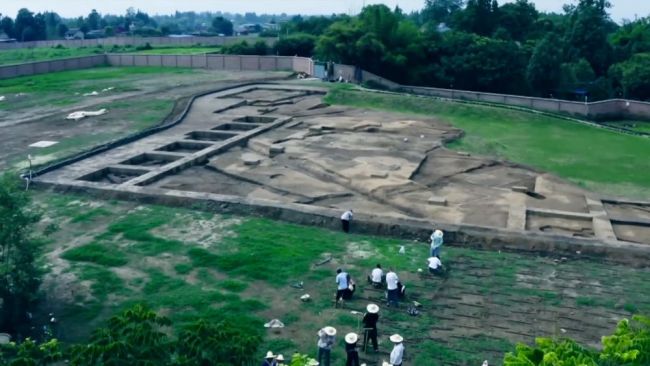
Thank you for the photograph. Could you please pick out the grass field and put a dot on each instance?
(106, 255)
(17, 56)
(604, 161)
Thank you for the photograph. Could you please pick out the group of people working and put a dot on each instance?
(327, 338)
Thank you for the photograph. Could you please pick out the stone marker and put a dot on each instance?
(276, 150)
(437, 201)
(521, 189)
(251, 159)
(382, 175)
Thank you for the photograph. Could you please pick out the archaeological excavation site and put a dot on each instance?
(280, 151)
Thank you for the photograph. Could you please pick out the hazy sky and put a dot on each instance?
(622, 9)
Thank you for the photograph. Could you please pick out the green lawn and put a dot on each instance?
(608, 162)
(189, 264)
(18, 56)
(639, 126)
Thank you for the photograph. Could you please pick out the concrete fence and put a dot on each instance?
(44, 67)
(205, 61)
(602, 110)
(135, 41)
(607, 109)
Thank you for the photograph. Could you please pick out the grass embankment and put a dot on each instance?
(188, 264)
(604, 161)
(17, 56)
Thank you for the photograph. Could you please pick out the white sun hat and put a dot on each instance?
(330, 331)
(280, 358)
(396, 338)
(312, 362)
(269, 354)
(351, 338)
(437, 233)
(372, 308)
(385, 364)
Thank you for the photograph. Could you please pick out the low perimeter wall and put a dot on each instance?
(135, 41)
(602, 110)
(206, 61)
(607, 109)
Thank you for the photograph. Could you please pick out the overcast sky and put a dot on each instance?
(622, 9)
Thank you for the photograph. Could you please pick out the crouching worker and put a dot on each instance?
(435, 266)
(376, 277)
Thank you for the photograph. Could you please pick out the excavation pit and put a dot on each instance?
(210, 135)
(184, 147)
(255, 119)
(236, 127)
(112, 175)
(150, 160)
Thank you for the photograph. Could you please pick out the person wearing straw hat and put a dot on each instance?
(280, 360)
(397, 354)
(436, 243)
(351, 349)
(370, 323)
(269, 359)
(325, 342)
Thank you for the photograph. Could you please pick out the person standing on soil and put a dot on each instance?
(393, 289)
(369, 321)
(325, 342)
(351, 349)
(342, 283)
(346, 218)
(397, 354)
(280, 360)
(436, 243)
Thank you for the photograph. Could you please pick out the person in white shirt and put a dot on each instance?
(345, 220)
(397, 354)
(376, 277)
(341, 283)
(435, 266)
(393, 289)
(436, 243)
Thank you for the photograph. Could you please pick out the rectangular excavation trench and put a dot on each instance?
(235, 126)
(184, 147)
(150, 160)
(210, 135)
(113, 175)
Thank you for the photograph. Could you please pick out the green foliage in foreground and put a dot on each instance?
(139, 336)
(19, 277)
(599, 159)
(629, 346)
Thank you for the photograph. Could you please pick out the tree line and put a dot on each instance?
(483, 46)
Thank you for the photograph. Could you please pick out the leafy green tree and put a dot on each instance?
(223, 26)
(24, 25)
(19, 277)
(543, 71)
(478, 17)
(518, 19)
(30, 353)
(296, 44)
(133, 337)
(587, 33)
(630, 343)
(633, 76)
(225, 342)
(93, 20)
(548, 352)
(631, 38)
(441, 11)
(7, 26)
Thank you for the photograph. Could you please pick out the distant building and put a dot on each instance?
(4, 38)
(93, 34)
(74, 33)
